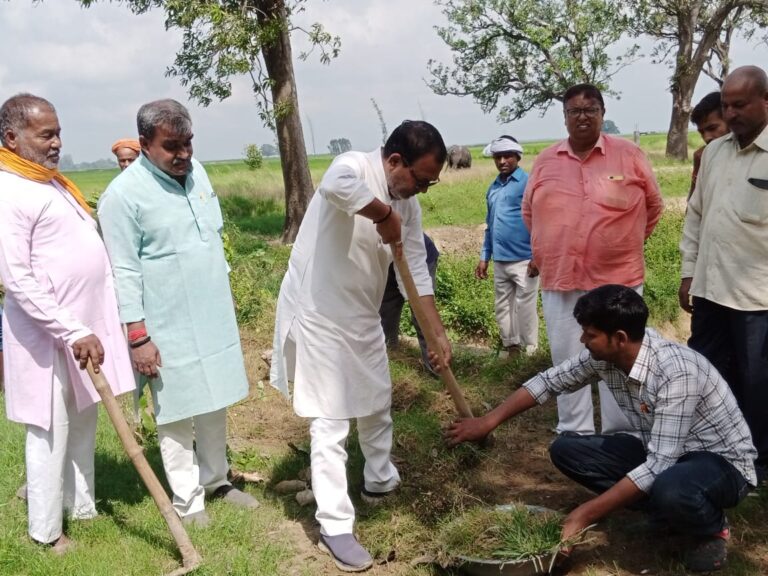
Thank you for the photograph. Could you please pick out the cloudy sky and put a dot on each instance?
(99, 65)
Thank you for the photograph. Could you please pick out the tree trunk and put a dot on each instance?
(677, 137)
(290, 135)
(683, 82)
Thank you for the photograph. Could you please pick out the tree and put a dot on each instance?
(226, 38)
(609, 127)
(690, 35)
(253, 158)
(268, 150)
(339, 146)
(528, 50)
(66, 163)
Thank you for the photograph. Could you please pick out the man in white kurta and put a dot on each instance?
(60, 309)
(328, 335)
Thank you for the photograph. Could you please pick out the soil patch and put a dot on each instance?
(458, 240)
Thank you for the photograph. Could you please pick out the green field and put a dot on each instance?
(233, 178)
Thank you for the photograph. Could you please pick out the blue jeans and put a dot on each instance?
(690, 496)
(736, 343)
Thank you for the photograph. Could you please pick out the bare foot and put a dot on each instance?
(62, 546)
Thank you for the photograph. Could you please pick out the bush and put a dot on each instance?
(465, 303)
(253, 158)
(257, 272)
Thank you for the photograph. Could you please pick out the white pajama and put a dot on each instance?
(515, 304)
(575, 412)
(335, 512)
(60, 461)
(194, 470)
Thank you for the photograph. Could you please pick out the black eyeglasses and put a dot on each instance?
(590, 112)
(421, 183)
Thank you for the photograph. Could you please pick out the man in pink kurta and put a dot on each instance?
(60, 312)
(590, 203)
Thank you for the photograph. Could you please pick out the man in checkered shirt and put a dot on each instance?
(692, 454)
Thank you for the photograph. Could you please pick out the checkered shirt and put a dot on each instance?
(673, 396)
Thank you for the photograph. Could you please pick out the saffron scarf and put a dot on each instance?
(12, 162)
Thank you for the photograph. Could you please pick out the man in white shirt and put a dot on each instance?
(724, 246)
(328, 336)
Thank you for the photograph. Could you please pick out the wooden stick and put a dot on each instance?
(446, 374)
(189, 557)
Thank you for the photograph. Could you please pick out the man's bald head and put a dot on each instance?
(754, 76)
(16, 112)
(745, 103)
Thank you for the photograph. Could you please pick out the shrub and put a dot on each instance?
(253, 158)
(465, 303)
(257, 272)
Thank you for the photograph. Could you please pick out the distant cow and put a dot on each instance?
(459, 157)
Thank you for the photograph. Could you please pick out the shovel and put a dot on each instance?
(190, 559)
(446, 374)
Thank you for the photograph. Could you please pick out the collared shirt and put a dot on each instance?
(725, 238)
(673, 396)
(588, 218)
(506, 237)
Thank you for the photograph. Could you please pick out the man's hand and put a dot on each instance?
(575, 522)
(684, 296)
(146, 359)
(389, 229)
(467, 430)
(481, 270)
(89, 347)
(533, 270)
(445, 348)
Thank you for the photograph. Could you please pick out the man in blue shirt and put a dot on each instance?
(508, 243)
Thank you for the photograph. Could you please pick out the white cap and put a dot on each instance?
(503, 144)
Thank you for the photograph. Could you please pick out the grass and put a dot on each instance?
(129, 536)
(515, 533)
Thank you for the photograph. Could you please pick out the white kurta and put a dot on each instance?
(328, 335)
(59, 289)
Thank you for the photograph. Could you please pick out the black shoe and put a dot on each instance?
(376, 498)
(710, 553)
(762, 474)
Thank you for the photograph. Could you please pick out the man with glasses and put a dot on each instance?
(725, 241)
(328, 336)
(590, 203)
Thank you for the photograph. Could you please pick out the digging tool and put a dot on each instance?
(190, 559)
(446, 374)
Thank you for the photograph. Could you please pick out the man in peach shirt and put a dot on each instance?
(590, 203)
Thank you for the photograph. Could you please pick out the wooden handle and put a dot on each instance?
(446, 374)
(190, 558)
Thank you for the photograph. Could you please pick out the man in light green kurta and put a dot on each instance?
(162, 226)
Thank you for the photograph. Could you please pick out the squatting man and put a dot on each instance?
(693, 454)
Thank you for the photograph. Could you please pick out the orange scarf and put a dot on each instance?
(12, 162)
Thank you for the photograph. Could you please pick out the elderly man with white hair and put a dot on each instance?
(508, 243)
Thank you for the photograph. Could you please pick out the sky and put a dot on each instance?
(97, 66)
